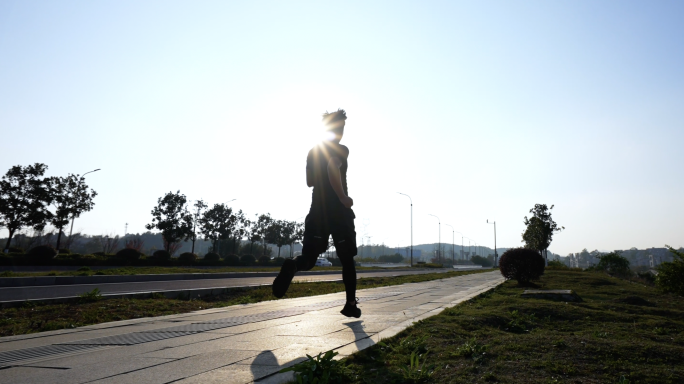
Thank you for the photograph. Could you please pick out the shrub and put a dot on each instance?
(614, 264)
(248, 260)
(212, 257)
(232, 260)
(279, 260)
(187, 258)
(479, 260)
(556, 264)
(99, 254)
(161, 255)
(128, 254)
(64, 251)
(42, 253)
(670, 276)
(16, 250)
(396, 258)
(264, 260)
(521, 264)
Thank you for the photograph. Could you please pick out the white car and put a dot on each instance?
(323, 262)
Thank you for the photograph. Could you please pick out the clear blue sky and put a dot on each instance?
(478, 110)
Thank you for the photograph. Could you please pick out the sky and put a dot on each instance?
(477, 110)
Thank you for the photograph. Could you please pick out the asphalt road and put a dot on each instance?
(58, 291)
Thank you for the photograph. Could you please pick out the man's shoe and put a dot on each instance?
(284, 278)
(351, 310)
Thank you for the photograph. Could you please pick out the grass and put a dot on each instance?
(86, 271)
(623, 332)
(90, 309)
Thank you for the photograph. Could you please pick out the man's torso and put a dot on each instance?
(317, 164)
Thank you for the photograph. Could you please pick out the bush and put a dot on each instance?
(279, 260)
(521, 264)
(99, 254)
(16, 250)
(670, 276)
(248, 260)
(64, 251)
(187, 258)
(479, 260)
(556, 264)
(212, 257)
(614, 264)
(232, 260)
(42, 253)
(263, 260)
(128, 254)
(161, 255)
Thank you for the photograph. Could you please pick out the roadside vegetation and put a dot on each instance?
(622, 332)
(93, 309)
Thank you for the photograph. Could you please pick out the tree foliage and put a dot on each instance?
(540, 228)
(614, 264)
(217, 223)
(24, 197)
(172, 219)
(70, 197)
(670, 276)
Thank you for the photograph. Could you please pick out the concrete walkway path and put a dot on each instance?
(237, 344)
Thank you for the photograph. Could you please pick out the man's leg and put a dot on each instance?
(315, 242)
(344, 236)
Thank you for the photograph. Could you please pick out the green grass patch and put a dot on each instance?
(31, 317)
(623, 331)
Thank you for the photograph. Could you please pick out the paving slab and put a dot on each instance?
(236, 344)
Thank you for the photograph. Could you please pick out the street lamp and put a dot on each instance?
(439, 247)
(462, 253)
(73, 215)
(453, 253)
(411, 200)
(496, 255)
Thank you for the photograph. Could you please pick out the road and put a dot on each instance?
(58, 291)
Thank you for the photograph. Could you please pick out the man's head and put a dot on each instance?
(334, 123)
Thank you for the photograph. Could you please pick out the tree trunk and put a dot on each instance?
(59, 238)
(9, 239)
(251, 247)
(278, 251)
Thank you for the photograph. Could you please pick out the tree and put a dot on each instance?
(540, 229)
(277, 233)
(217, 224)
(257, 230)
(24, 197)
(172, 219)
(199, 205)
(240, 229)
(70, 197)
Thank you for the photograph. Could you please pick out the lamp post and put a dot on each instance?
(73, 216)
(462, 254)
(496, 255)
(411, 200)
(453, 253)
(439, 247)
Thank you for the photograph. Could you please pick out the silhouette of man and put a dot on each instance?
(330, 213)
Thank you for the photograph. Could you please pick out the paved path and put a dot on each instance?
(237, 344)
(56, 291)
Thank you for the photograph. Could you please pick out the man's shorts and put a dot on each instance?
(321, 223)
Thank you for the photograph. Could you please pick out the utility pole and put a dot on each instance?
(126, 230)
(453, 252)
(411, 200)
(73, 217)
(496, 255)
(439, 252)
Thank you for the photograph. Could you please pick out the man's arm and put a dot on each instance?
(309, 177)
(335, 179)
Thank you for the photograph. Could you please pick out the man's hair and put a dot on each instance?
(329, 119)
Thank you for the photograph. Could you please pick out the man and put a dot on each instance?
(330, 213)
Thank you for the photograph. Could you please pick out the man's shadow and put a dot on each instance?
(362, 339)
(263, 365)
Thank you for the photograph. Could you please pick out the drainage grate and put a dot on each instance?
(38, 352)
(193, 328)
(130, 338)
